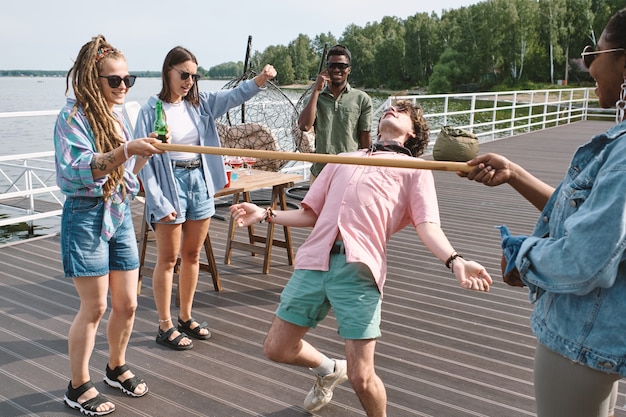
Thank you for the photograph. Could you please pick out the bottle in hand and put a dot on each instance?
(160, 126)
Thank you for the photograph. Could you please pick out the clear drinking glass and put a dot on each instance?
(250, 161)
(235, 162)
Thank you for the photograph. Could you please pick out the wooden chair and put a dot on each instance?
(251, 136)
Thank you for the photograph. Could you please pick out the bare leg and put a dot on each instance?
(82, 335)
(194, 234)
(123, 286)
(284, 344)
(168, 245)
(362, 375)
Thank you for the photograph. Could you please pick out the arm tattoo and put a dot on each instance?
(101, 162)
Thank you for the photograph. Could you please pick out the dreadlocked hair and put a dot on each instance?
(84, 78)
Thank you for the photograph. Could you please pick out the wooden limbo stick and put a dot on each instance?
(323, 158)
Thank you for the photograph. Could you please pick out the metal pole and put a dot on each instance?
(245, 71)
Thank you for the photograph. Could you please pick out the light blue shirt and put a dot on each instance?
(575, 264)
(157, 176)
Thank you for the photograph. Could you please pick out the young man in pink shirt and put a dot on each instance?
(354, 210)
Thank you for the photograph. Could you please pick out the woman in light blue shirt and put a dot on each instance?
(574, 263)
(180, 186)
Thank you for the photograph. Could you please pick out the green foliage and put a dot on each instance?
(301, 57)
(279, 56)
(449, 73)
(48, 73)
(32, 73)
(421, 44)
(227, 70)
(492, 42)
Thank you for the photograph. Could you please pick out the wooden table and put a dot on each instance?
(241, 189)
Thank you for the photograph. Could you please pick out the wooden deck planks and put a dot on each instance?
(445, 352)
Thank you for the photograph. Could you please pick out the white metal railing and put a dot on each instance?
(490, 116)
(297, 167)
(494, 115)
(27, 183)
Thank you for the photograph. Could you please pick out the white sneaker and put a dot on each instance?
(322, 391)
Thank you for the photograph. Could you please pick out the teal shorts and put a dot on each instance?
(348, 288)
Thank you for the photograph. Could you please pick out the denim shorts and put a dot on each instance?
(193, 196)
(348, 288)
(84, 252)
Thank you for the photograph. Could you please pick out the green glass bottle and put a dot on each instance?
(160, 126)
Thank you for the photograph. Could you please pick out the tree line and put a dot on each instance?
(62, 73)
(491, 44)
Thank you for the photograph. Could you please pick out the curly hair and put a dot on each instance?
(84, 76)
(418, 144)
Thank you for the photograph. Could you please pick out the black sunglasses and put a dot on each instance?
(589, 55)
(116, 80)
(184, 75)
(337, 65)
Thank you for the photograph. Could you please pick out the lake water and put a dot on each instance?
(34, 134)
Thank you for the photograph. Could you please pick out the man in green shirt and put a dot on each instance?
(340, 115)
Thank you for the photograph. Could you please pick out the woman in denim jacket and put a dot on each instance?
(574, 263)
(180, 186)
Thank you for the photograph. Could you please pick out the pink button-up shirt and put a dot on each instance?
(366, 205)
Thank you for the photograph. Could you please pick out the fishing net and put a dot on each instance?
(265, 122)
(307, 137)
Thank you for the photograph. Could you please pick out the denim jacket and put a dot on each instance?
(157, 176)
(575, 264)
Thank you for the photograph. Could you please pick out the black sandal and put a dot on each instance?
(128, 386)
(88, 407)
(185, 326)
(163, 338)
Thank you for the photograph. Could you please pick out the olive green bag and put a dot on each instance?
(456, 145)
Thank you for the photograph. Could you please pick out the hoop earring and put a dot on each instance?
(620, 105)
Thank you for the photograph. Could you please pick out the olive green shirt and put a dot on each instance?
(338, 122)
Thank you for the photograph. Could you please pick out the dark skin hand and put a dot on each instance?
(489, 169)
(492, 170)
(512, 278)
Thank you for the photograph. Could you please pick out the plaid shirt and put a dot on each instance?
(74, 150)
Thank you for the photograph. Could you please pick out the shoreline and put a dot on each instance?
(378, 91)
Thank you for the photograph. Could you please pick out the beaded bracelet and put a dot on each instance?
(126, 150)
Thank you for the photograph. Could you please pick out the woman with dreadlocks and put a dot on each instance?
(96, 169)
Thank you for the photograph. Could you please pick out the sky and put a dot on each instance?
(47, 34)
